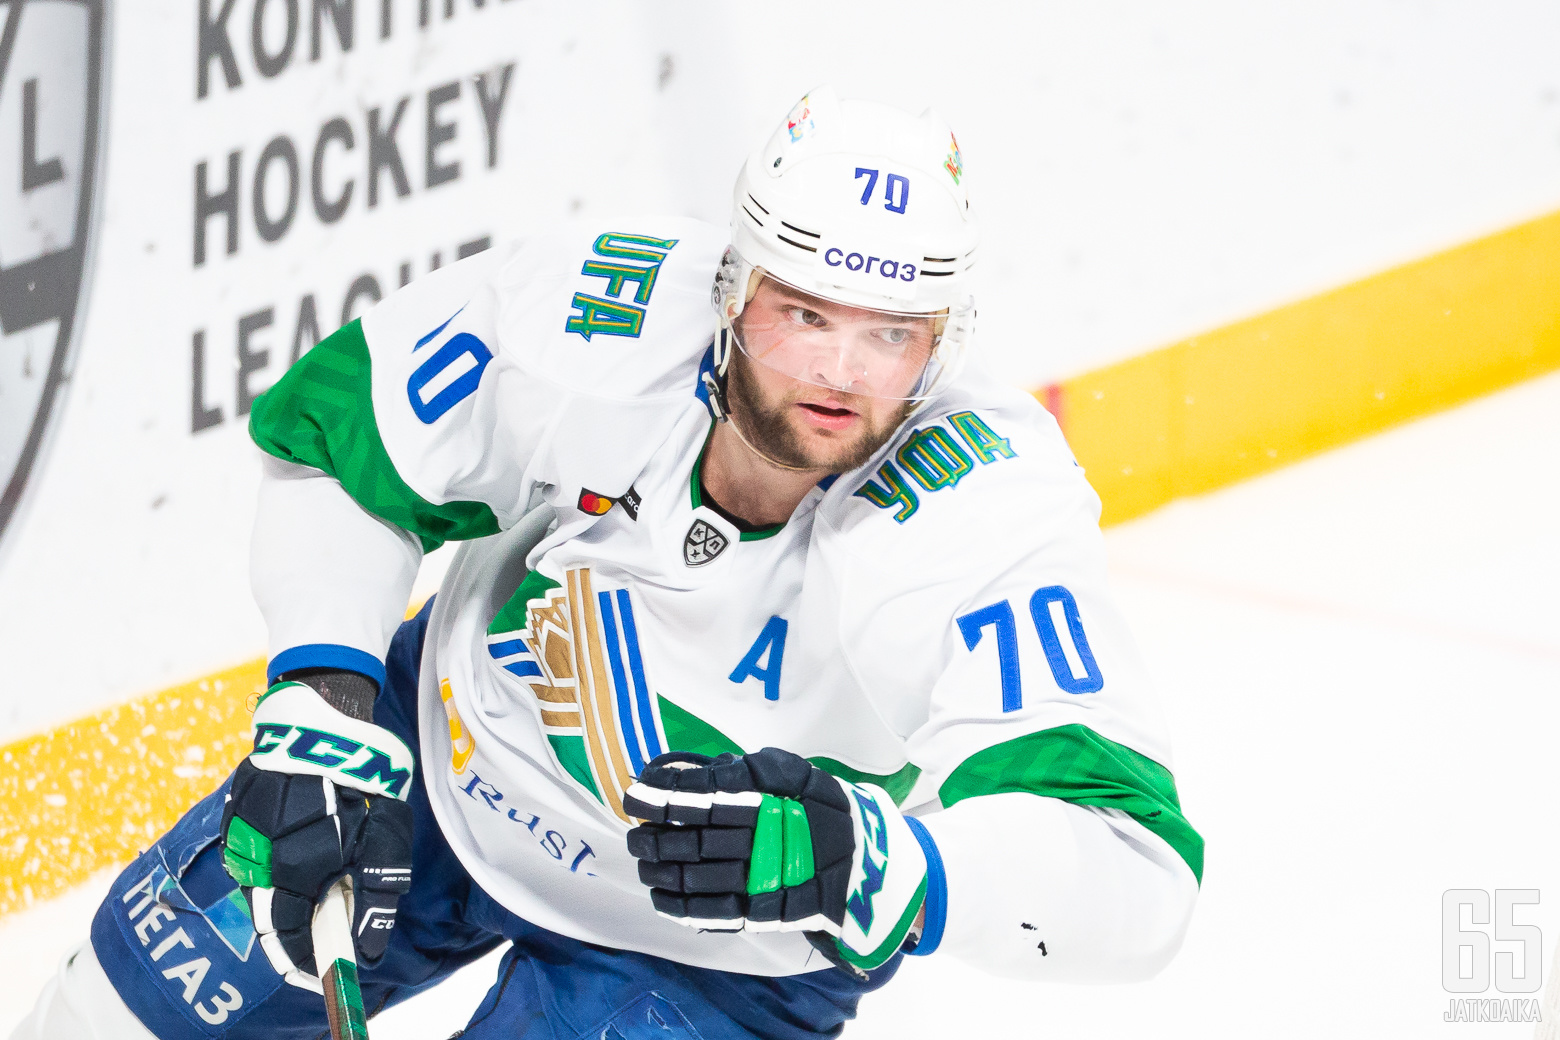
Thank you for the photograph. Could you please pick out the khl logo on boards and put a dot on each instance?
(51, 121)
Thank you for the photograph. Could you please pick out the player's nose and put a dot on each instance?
(837, 362)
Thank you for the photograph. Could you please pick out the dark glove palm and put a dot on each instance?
(287, 838)
(770, 842)
(762, 842)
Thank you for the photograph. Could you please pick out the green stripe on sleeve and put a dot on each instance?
(321, 414)
(1076, 764)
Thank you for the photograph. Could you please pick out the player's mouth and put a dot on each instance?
(826, 416)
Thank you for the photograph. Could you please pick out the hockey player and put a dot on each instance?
(779, 647)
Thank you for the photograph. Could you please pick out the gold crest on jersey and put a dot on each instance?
(579, 654)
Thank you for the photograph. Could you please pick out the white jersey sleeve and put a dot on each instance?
(975, 608)
(453, 405)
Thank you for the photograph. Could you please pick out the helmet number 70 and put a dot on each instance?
(896, 189)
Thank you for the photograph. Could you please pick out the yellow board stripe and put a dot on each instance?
(97, 791)
(1265, 392)
(1186, 419)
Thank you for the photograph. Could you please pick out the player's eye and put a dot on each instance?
(897, 337)
(803, 316)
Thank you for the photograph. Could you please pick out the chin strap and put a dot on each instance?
(773, 462)
(716, 390)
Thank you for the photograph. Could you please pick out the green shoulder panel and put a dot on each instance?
(1076, 764)
(321, 414)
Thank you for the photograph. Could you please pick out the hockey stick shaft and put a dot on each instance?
(337, 963)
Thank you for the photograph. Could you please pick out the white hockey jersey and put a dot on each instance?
(936, 622)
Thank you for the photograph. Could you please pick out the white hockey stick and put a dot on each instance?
(336, 961)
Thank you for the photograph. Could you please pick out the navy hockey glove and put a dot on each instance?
(770, 842)
(321, 796)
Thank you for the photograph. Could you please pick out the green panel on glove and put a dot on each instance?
(765, 868)
(782, 846)
(798, 843)
(247, 855)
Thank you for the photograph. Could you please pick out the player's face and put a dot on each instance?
(855, 350)
(799, 421)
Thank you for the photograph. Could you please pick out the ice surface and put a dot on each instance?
(1360, 659)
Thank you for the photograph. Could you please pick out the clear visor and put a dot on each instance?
(854, 350)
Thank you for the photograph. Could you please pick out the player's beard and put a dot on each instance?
(770, 426)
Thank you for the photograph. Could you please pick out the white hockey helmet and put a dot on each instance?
(856, 203)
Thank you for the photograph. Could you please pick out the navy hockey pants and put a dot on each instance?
(175, 940)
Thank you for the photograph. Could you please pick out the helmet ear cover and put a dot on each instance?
(728, 303)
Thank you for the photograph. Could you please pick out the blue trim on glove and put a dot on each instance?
(936, 892)
(326, 655)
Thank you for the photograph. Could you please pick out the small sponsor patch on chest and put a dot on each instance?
(702, 544)
(630, 502)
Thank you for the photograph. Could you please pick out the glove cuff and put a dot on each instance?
(296, 732)
(936, 892)
(888, 881)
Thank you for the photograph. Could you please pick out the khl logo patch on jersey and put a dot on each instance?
(51, 127)
(703, 544)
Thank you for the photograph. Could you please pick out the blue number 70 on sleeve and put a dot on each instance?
(1055, 615)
